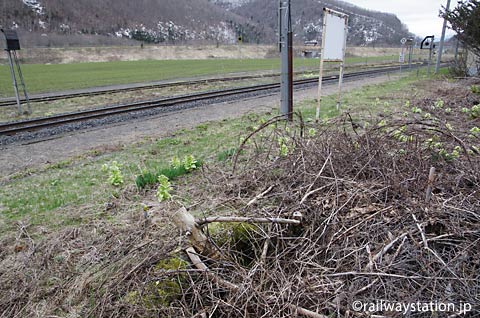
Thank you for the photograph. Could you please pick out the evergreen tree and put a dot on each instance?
(465, 20)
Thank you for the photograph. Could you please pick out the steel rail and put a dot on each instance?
(49, 98)
(60, 96)
(13, 128)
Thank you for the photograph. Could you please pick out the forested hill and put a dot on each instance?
(189, 21)
(365, 27)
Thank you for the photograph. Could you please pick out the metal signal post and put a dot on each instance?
(13, 44)
(428, 44)
(285, 41)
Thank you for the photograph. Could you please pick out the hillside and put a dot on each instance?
(158, 21)
(187, 21)
(365, 26)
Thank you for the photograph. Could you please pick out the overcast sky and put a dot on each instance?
(421, 16)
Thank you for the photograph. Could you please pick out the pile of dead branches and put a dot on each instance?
(385, 216)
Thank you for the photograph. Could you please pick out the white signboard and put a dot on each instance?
(334, 33)
(334, 40)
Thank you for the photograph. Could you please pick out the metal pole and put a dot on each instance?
(14, 80)
(402, 58)
(320, 74)
(280, 5)
(290, 73)
(286, 38)
(410, 55)
(430, 55)
(22, 82)
(442, 40)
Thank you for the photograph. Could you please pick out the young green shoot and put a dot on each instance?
(164, 188)
(115, 177)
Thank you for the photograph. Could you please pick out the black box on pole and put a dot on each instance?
(13, 43)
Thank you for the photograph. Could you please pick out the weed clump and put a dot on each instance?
(177, 168)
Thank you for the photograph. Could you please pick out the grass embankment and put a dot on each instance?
(57, 77)
(76, 190)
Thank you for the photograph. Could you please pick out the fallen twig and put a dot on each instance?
(213, 219)
(259, 196)
(306, 312)
(383, 251)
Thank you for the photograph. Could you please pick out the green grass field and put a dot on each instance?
(57, 77)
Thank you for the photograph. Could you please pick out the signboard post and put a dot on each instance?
(334, 40)
(410, 52)
(401, 57)
(13, 45)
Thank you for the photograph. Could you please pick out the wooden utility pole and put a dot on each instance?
(442, 40)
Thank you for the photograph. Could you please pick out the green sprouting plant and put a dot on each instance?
(175, 163)
(465, 110)
(449, 126)
(439, 103)
(399, 134)
(416, 110)
(405, 138)
(386, 104)
(448, 110)
(282, 143)
(190, 163)
(427, 116)
(475, 89)
(406, 114)
(455, 154)
(283, 150)
(407, 103)
(164, 188)
(115, 177)
(312, 132)
(433, 144)
(475, 131)
(475, 111)
(382, 123)
(442, 152)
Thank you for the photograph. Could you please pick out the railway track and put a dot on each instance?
(12, 102)
(49, 98)
(9, 129)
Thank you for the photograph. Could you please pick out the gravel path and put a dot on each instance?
(34, 154)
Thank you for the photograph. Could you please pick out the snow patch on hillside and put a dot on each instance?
(170, 32)
(230, 4)
(35, 5)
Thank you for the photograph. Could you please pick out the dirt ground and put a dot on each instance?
(151, 52)
(18, 157)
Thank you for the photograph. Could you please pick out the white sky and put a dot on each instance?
(421, 16)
